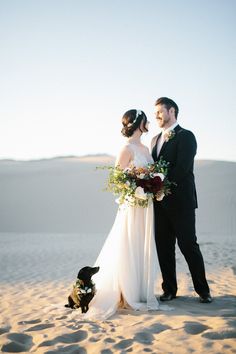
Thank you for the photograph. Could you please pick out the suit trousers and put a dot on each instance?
(172, 225)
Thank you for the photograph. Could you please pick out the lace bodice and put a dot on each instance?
(141, 157)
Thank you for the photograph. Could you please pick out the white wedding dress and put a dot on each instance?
(128, 259)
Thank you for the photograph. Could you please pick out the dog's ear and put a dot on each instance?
(87, 272)
(84, 273)
(95, 270)
(80, 274)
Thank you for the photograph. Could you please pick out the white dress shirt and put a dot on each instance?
(162, 139)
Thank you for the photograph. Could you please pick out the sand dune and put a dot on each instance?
(66, 195)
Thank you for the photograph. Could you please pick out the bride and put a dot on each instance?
(128, 259)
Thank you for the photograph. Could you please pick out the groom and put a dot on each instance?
(175, 214)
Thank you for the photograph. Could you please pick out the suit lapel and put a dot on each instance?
(154, 149)
(176, 129)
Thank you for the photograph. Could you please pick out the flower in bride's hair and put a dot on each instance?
(138, 113)
(140, 194)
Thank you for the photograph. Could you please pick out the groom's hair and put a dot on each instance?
(168, 103)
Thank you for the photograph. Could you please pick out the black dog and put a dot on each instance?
(83, 290)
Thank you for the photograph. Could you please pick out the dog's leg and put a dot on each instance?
(71, 303)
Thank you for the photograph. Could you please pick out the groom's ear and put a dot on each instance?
(172, 112)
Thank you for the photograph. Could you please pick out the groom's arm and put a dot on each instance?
(186, 150)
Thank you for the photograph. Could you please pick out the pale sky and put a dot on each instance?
(69, 69)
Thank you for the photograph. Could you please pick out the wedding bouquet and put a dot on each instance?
(137, 185)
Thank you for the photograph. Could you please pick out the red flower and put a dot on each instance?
(157, 184)
(152, 185)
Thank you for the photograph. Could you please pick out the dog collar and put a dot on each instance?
(83, 289)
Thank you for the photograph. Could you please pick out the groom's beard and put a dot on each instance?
(162, 122)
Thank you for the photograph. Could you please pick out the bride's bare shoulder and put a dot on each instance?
(125, 156)
(126, 149)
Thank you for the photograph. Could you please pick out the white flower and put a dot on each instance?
(118, 200)
(162, 177)
(141, 176)
(169, 135)
(129, 198)
(160, 196)
(140, 194)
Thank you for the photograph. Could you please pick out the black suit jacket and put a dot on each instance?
(179, 152)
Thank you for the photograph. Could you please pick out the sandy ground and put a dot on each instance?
(37, 272)
(54, 218)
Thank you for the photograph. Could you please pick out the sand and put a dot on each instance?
(39, 263)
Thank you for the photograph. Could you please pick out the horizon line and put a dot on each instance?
(57, 157)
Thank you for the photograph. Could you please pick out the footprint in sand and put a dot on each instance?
(69, 349)
(95, 339)
(158, 328)
(95, 329)
(40, 327)
(109, 340)
(29, 322)
(123, 344)
(74, 326)
(106, 351)
(4, 329)
(74, 337)
(144, 337)
(220, 335)
(19, 343)
(194, 327)
(208, 345)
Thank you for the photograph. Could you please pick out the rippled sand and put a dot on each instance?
(36, 275)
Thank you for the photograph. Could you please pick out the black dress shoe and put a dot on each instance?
(167, 297)
(205, 298)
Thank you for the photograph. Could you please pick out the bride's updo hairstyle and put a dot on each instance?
(132, 120)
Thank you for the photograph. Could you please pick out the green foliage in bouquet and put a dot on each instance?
(137, 185)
